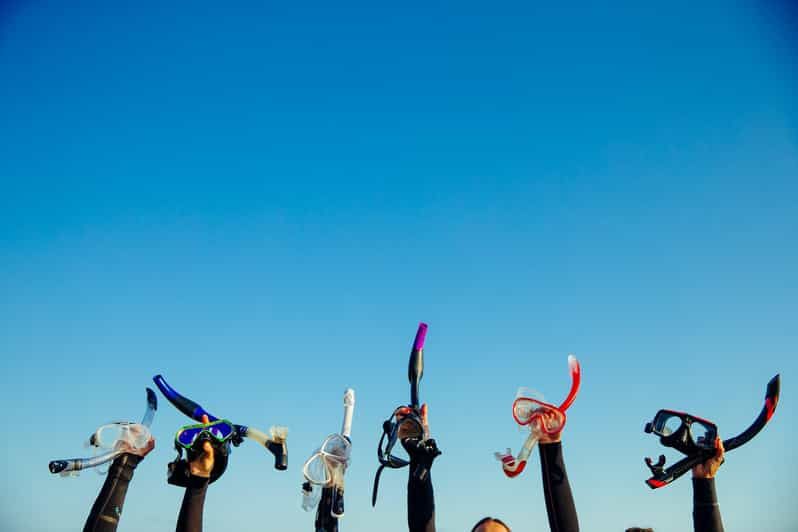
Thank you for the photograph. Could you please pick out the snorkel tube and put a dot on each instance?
(132, 437)
(390, 427)
(275, 442)
(337, 509)
(661, 476)
(326, 468)
(540, 417)
(415, 367)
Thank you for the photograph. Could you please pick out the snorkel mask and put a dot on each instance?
(686, 433)
(112, 440)
(412, 427)
(695, 437)
(531, 412)
(324, 472)
(191, 439)
(274, 442)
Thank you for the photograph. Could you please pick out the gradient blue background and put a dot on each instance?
(262, 201)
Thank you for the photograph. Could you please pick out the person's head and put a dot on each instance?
(638, 529)
(490, 524)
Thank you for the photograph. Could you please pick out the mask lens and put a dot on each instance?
(187, 436)
(336, 447)
(221, 431)
(316, 470)
(668, 424)
(703, 434)
(410, 427)
(524, 409)
(107, 435)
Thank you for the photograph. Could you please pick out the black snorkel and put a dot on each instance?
(698, 450)
(390, 427)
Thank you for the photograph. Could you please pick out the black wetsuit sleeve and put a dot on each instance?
(706, 513)
(420, 502)
(107, 509)
(190, 518)
(556, 489)
(325, 522)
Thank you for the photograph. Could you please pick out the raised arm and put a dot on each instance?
(706, 512)
(195, 476)
(190, 517)
(560, 505)
(420, 495)
(107, 508)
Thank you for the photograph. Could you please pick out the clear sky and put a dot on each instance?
(262, 202)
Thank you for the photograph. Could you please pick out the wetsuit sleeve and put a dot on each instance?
(325, 522)
(420, 502)
(560, 505)
(190, 518)
(107, 509)
(706, 512)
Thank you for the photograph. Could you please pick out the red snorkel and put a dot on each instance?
(541, 418)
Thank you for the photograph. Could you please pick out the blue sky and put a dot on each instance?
(262, 201)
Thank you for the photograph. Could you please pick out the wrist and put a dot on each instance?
(550, 440)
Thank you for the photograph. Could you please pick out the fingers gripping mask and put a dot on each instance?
(191, 439)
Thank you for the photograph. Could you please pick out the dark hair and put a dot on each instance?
(638, 529)
(488, 520)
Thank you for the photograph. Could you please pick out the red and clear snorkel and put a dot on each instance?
(541, 418)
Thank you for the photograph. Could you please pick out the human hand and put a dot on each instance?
(202, 465)
(549, 426)
(142, 452)
(709, 468)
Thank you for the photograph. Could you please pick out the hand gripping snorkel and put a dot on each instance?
(412, 422)
(695, 437)
(325, 470)
(275, 442)
(541, 418)
(117, 438)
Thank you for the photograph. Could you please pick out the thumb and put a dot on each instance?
(424, 417)
(205, 419)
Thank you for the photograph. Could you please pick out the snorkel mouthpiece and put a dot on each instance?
(280, 454)
(57, 466)
(512, 467)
